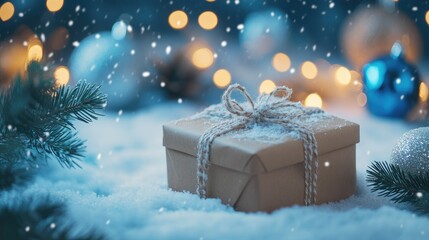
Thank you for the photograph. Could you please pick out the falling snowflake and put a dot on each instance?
(168, 50)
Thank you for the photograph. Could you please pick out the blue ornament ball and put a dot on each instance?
(264, 32)
(391, 85)
(102, 60)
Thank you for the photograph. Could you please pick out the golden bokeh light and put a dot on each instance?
(267, 86)
(222, 78)
(13, 59)
(207, 20)
(54, 5)
(361, 99)
(427, 17)
(309, 70)
(423, 92)
(35, 53)
(62, 75)
(343, 75)
(313, 100)
(6, 11)
(203, 58)
(178, 19)
(281, 62)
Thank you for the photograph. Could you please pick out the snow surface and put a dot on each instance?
(122, 190)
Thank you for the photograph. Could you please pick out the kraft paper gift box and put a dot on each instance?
(252, 174)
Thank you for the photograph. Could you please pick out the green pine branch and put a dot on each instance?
(79, 103)
(36, 119)
(391, 181)
(40, 218)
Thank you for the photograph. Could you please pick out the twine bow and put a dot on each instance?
(275, 108)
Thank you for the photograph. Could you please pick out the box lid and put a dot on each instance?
(253, 155)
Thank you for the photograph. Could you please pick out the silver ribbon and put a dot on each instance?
(275, 108)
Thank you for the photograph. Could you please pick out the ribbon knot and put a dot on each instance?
(266, 106)
(257, 116)
(274, 108)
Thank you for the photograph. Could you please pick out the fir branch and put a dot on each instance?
(61, 143)
(63, 105)
(9, 144)
(391, 181)
(14, 148)
(36, 118)
(39, 218)
(13, 177)
(80, 103)
(36, 124)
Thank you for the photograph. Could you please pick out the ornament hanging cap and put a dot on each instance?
(397, 50)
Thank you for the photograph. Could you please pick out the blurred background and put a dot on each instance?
(332, 53)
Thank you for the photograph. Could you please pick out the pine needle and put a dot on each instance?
(389, 180)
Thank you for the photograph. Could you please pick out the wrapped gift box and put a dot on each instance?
(253, 172)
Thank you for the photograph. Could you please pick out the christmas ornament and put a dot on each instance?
(264, 32)
(406, 178)
(178, 78)
(369, 33)
(411, 152)
(102, 60)
(391, 84)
